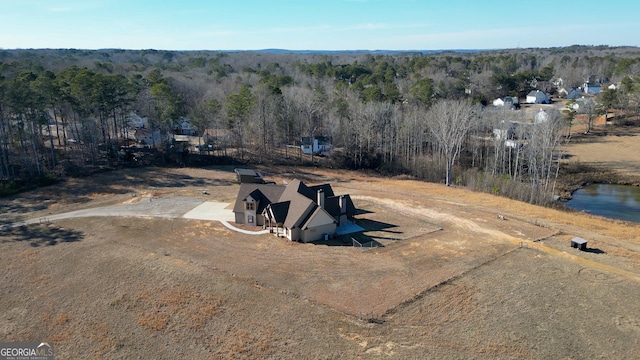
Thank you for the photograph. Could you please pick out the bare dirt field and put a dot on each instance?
(452, 280)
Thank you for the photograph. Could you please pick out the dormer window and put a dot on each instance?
(249, 206)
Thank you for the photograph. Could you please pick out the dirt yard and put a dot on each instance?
(452, 280)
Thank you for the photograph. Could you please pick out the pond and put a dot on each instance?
(612, 201)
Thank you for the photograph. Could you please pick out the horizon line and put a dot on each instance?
(321, 50)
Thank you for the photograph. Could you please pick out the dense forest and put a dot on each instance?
(66, 112)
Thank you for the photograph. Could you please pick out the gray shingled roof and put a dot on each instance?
(332, 205)
(313, 191)
(266, 194)
(249, 172)
(279, 211)
(292, 205)
(301, 204)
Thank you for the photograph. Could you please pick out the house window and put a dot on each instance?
(250, 219)
(249, 206)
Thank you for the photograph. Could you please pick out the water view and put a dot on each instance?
(613, 201)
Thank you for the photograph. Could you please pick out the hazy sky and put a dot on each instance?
(316, 24)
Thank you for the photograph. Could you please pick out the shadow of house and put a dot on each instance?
(379, 230)
(374, 225)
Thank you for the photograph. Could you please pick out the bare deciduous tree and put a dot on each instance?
(449, 121)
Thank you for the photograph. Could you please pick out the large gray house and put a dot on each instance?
(295, 211)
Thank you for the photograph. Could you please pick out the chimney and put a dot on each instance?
(343, 205)
(320, 200)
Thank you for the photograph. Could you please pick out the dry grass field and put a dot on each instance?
(619, 153)
(451, 281)
(609, 147)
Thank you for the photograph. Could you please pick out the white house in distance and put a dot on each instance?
(320, 145)
(508, 102)
(538, 97)
(506, 131)
(541, 117)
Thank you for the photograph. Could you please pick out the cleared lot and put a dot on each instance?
(452, 280)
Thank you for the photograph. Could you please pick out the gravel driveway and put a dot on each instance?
(170, 208)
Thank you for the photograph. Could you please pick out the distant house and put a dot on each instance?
(562, 92)
(510, 102)
(514, 144)
(538, 97)
(319, 145)
(541, 117)
(591, 88)
(295, 211)
(583, 104)
(498, 102)
(135, 121)
(183, 127)
(248, 176)
(506, 133)
(574, 93)
(181, 142)
(147, 137)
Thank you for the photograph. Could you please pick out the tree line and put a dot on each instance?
(423, 115)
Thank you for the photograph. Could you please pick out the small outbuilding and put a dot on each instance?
(579, 243)
(249, 176)
(319, 145)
